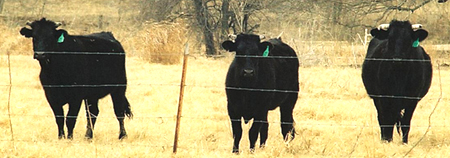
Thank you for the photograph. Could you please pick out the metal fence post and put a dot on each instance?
(180, 99)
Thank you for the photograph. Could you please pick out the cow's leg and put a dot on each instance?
(92, 112)
(58, 111)
(72, 114)
(406, 119)
(263, 132)
(386, 118)
(258, 121)
(287, 120)
(236, 126)
(120, 109)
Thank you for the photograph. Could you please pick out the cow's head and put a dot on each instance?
(401, 36)
(249, 50)
(45, 36)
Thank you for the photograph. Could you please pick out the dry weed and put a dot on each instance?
(162, 42)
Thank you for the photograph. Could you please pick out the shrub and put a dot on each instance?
(162, 42)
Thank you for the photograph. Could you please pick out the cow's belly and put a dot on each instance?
(400, 84)
(250, 104)
(63, 95)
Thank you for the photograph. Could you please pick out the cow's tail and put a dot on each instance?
(398, 127)
(399, 118)
(127, 111)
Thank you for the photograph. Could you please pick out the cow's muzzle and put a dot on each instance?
(39, 55)
(248, 72)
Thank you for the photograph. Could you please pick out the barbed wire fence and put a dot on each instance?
(13, 140)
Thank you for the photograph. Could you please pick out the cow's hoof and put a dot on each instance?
(262, 146)
(385, 141)
(122, 136)
(292, 133)
(89, 134)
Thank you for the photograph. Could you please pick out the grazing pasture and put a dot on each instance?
(334, 116)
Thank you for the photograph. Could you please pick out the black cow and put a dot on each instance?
(77, 68)
(262, 77)
(397, 74)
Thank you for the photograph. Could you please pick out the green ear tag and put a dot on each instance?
(416, 43)
(61, 38)
(266, 52)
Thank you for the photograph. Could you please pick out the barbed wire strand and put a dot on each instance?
(397, 60)
(227, 119)
(208, 86)
(235, 88)
(96, 143)
(80, 53)
(216, 87)
(431, 114)
(299, 56)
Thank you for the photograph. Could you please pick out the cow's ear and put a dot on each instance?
(229, 46)
(379, 34)
(61, 32)
(26, 32)
(266, 45)
(61, 35)
(420, 34)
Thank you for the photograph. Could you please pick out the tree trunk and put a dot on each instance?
(203, 21)
(247, 12)
(225, 18)
(1, 6)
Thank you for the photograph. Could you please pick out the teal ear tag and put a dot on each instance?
(61, 38)
(266, 52)
(416, 43)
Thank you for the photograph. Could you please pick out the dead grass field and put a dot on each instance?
(334, 116)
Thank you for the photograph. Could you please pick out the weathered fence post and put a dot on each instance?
(9, 101)
(180, 99)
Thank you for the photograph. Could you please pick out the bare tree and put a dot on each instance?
(318, 19)
(157, 10)
(225, 22)
(1, 6)
(359, 11)
(203, 18)
(341, 19)
(242, 11)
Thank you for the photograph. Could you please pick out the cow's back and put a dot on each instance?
(105, 35)
(384, 77)
(96, 62)
(286, 70)
(286, 65)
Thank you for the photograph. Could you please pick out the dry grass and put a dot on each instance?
(163, 42)
(334, 116)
